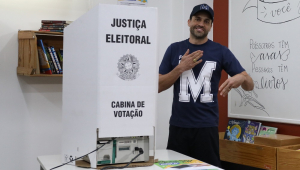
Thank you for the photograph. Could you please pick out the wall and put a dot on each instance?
(31, 107)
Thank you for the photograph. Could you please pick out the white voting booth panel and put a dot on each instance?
(110, 80)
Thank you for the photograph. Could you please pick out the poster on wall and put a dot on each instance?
(133, 2)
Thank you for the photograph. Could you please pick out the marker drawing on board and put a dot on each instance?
(247, 98)
(269, 78)
(275, 11)
(272, 81)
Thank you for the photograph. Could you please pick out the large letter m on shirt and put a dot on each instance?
(188, 80)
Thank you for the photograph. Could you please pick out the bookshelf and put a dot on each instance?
(28, 60)
(253, 155)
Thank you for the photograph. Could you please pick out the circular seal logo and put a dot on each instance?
(128, 67)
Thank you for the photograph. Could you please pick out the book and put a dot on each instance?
(53, 60)
(51, 63)
(54, 30)
(235, 130)
(60, 57)
(56, 22)
(41, 45)
(53, 21)
(52, 26)
(184, 164)
(61, 51)
(267, 130)
(56, 59)
(44, 64)
(252, 129)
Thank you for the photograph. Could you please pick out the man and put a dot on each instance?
(194, 67)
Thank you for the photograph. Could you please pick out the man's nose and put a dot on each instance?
(200, 23)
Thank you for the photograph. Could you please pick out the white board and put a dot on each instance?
(264, 36)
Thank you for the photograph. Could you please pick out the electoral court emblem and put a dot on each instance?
(128, 67)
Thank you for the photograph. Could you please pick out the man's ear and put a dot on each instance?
(189, 21)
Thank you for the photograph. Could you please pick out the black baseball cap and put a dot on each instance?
(203, 7)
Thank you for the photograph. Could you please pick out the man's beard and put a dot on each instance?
(198, 35)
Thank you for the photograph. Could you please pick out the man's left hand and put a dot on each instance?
(232, 82)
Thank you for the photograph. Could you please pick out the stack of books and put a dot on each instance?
(54, 25)
(51, 59)
(245, 130)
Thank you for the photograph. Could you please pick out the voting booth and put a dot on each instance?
(110, 81)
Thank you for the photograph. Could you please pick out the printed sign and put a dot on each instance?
(133, 2)
(127, 71)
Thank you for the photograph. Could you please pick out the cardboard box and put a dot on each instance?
(288, 157)
(259, 156)
(277, 140)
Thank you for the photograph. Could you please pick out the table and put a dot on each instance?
(49, 161)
